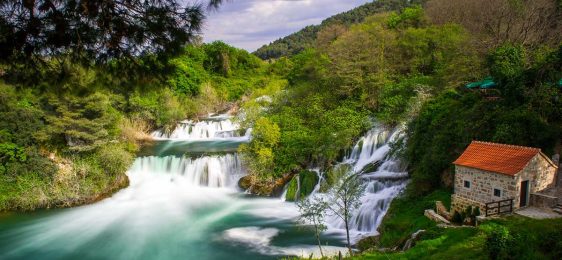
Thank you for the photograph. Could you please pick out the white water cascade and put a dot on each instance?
(214, 127)
(207, 171)
(182, 202)
(382, 184)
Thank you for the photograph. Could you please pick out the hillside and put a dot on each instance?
(305, 38)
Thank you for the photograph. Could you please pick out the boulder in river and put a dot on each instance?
(264, 188)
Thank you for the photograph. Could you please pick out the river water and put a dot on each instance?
(183, 202)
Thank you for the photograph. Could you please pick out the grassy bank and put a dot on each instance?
(66, 181)
(508, 237)
(405, 217)
(520, 238)
(454, 243)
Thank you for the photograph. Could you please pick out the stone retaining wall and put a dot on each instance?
(460, 203)
(543, 200)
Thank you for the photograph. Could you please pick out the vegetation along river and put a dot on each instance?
(183, 202)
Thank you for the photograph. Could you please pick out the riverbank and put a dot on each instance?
(515, 237)
(511, 235)
(76, 180)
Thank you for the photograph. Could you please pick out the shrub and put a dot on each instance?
(498, 242)
(307, 180)
(552, 242)
(134, 130)
(114, 159)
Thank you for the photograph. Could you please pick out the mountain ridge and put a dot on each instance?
(305, 38)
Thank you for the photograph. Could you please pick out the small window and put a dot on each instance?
(497, 192)
(467, 184)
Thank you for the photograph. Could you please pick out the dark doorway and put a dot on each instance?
(524, 193)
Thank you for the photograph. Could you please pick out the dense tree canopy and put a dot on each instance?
(97, 29)
(493, 23)
(306, 38)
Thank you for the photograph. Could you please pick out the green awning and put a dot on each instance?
(486, 83)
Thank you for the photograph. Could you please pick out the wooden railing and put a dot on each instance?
(499, 207)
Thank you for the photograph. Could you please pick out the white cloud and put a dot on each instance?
(249, 24)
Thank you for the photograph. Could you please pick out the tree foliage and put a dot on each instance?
(449, 122)
(307, 37)
(494, 23)
(97, 29)
(346, 197)
(312, 212)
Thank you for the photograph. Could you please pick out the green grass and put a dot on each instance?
(405, 217)
(86, 179)
(439, 243)
(527, 239)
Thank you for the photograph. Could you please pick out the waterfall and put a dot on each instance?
(182, 202)
(370, 148)
(207, 171)
(384, 178)
(214, 171)
(214, 127)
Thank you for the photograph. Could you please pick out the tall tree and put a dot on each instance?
(97, 29)
(345, 197)
(312, 212)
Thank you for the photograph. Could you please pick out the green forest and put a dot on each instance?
(73, 120)
(412, 67)
(69, 131)
(401, 67)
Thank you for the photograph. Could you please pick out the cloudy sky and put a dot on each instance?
(249, 24)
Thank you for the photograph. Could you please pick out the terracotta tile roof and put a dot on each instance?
(500, 158)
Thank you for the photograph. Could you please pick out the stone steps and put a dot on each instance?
(558, 209)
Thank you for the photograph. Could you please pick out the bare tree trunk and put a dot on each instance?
(346, 220)
(318, 239)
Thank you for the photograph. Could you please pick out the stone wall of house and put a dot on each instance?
(540, 174)
(482, 185)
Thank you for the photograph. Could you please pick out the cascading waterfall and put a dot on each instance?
(209, 128)
(182, 202)
(215, 171)
(369, 149)
(207, 171)
(382, 184)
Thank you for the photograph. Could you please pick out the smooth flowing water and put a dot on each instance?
(382, 183)
(183, 202)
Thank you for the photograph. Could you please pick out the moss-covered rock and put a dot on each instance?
(292, 189)
(245, 182)
(371, 167)
(307, 180)
(264, 188)
(333, 175)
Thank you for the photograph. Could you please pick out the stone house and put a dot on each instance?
(490, 172)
